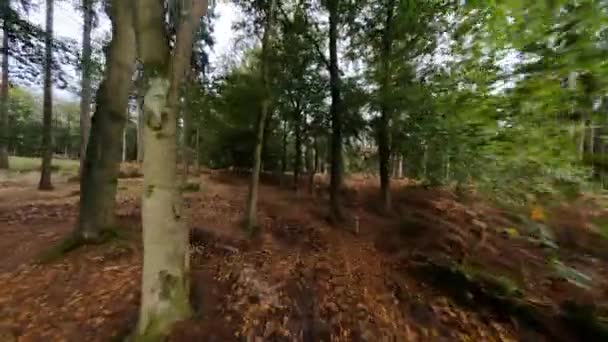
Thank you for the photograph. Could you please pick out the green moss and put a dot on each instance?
(55, 252)
(149, 190)
(175, 290)
(117, 235)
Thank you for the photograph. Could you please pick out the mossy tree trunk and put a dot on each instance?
(85, 93)
(165, 276)
(102, 162)
(252, 199)
(4, 129)
(47, 120)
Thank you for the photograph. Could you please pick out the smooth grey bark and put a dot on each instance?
(187, 142)
(4, 129)
(140, 132)
(86, 91)
(103, 155)
(47, 121)
(165, 275)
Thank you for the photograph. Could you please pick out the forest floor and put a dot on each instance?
(436, 268)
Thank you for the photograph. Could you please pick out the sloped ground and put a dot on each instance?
(427, 271)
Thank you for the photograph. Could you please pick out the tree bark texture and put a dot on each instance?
(86, 91)
(4, 129)
(47, 106)
(102, 161)
(165, 275)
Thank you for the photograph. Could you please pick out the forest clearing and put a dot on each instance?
(436, 268)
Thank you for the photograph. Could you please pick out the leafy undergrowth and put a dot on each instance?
(434, 268)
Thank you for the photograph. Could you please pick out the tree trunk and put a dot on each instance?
(336, 113)
(283, 153)
(103, 155)
(124, 140)
(425, 161)
(384, 139)
(252, 199)
(165, 275)
(581, 145)
(85, 94)
(265, 136)
(47, 122)
(140, 131)
(4, 130)
(197, 159)
(187, 143)
(317, 160)
(297, 159)
(400, 166)
(310, 167)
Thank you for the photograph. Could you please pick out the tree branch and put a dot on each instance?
(308, 36)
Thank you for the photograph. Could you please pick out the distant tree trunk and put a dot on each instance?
(265, 136)
(283, 152)
(140, 131)
(447, 167)
(4, 130)
(425, 161)
(102, 162)
(297, 159)
(310, 167)
(317, 159)
(400, 166)
(581, 146)
(384, 139)
(252, 199)
(336, 112)
(165, 275)
(85, 94)
(47, 122)
(197, 159)
(124, 141)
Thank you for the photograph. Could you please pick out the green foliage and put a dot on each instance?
(491, 94)
(25, 164)
(25, 122)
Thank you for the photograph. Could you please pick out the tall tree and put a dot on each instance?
(384, 138)
(335, 111)
(103, 155)
(47, 125)
(252, 199)
(4, 129)
(86, 91)
(165, 276)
